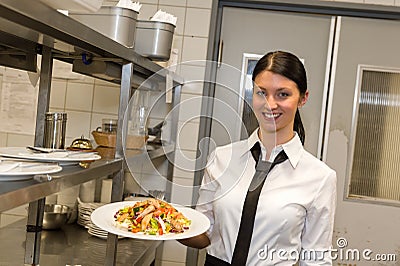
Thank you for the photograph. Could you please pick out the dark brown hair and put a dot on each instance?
(289, 66)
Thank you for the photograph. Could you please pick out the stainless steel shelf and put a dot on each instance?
(34, 25)
(72, 245)
(17, 193)
(29, 28)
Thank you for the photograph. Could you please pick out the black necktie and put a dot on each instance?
(243, 240)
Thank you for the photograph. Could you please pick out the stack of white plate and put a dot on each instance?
(94, 230)
(85, 209)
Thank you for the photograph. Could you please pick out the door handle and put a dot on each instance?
(220, 48)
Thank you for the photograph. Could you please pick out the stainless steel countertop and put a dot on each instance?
(71, 245)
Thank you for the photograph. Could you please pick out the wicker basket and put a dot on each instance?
(109, 140)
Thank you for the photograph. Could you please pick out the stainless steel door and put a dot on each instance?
(258, 32)
(359, 42)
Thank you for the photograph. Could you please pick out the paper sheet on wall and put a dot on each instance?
(18, 102)
(63, 70)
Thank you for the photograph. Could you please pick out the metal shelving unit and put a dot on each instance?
(30, 28)
(17, 193)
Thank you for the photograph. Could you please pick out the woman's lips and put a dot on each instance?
(271, 116)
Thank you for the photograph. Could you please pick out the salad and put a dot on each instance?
(153, 217)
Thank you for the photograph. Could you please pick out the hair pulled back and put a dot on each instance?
(289, 66)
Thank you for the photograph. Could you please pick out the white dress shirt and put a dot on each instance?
(295, 212)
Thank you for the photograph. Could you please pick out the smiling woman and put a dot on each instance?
(283, 198)
(278, 93)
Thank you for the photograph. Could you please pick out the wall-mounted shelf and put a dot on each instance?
(17, 193)
(29, 25)
(29, 28)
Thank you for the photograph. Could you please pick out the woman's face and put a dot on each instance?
(275, 102)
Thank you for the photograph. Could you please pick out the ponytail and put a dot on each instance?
(298, 127)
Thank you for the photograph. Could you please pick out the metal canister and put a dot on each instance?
(54, 130)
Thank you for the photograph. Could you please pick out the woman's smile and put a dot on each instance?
(271, 116)
(275, 102)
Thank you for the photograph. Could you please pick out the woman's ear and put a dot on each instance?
(303, 99)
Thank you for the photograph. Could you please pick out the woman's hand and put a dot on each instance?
(200, 241)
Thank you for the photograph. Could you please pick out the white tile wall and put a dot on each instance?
(14, 215)
(106, 99)
(78, 124)
(58, 92)
(182, 191)
(192, 25)
(190, 107)
(79, 96)
(179, 12)
(20, 140)
(199, 4)
(172, 2)
(103, 82)
(6, 219)
(193, 87)
(21, 210)
(147, 11)
(149, 2)
(380, 2)
(187, 135)
(397, 2)
(194, 48)
(185, 162)
(194, 77)
(3, 139)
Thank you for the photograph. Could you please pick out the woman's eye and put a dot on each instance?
(261, 93)
(283, 94)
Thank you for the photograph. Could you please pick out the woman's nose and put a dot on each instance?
(270, 102)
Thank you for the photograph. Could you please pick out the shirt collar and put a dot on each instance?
(293, 148)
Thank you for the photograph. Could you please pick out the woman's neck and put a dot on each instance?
(272, 139)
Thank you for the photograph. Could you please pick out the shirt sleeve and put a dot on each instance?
(207, 192)
(318, 230)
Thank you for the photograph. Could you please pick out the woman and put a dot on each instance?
(295, 208)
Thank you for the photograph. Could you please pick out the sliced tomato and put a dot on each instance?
(135, 230)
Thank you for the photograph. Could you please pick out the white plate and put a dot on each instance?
(25, 170)
(61, 157)
(103, 217)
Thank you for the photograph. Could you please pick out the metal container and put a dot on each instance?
(154, 39)
(54, 130)
(55, 216)
(109, 125)
(117, 23)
